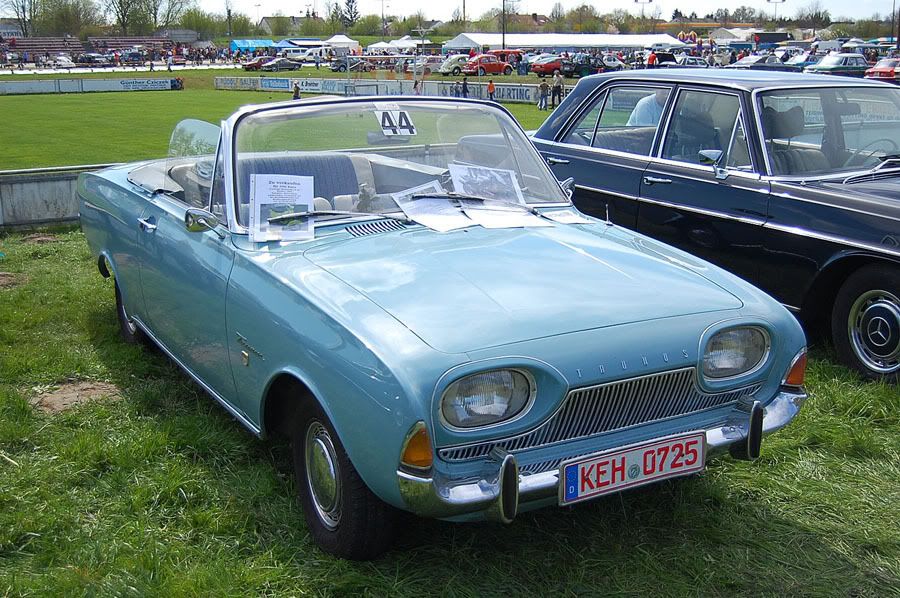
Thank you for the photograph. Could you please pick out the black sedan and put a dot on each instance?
(762, 62)
(791, 181)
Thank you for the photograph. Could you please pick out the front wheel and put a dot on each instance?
(456, 71)
(507, 71)
(481, 72)
(342, 69)
(344, 517)
(865, 322)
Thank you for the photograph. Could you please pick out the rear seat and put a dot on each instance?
(633, 140)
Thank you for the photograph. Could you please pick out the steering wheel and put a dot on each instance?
(851, 161)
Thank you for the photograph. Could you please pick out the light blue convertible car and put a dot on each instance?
(403, 288)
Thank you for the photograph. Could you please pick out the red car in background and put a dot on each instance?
(545, 67)
(254, 64)
(507, 54)
(486, 64)
(886, 69)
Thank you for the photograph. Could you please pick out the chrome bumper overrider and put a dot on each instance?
(499, 493)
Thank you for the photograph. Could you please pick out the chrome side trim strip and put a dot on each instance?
(607, 192)
(234, 412)
(795, 230)
(705, 212)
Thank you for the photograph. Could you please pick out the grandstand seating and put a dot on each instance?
(39, 46)
(104, 44)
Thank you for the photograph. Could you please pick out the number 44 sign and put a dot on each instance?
(395, 122)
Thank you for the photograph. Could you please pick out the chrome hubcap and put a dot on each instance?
(874, 328)
(322, 474)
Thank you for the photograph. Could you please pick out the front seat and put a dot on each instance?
(788, 159)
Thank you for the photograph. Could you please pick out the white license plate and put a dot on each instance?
(631, 466)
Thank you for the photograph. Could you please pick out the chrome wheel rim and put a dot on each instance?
(874, 329)
(323, 474)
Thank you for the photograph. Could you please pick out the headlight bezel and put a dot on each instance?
(526, 408)
(711, 335)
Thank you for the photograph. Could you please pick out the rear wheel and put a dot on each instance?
(865, 322)
(456, 70)
(344, 517)
(507, 71)
(129, 331)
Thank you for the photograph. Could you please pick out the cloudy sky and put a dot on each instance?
(443, 10)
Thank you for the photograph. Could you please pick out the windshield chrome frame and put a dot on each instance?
(756, 107)
(228, 141)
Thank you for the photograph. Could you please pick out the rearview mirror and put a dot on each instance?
(197, 221)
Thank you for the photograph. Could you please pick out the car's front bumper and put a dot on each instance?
(497, 496)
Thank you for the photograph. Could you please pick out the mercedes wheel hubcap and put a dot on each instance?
(874, 327)
(322, 474)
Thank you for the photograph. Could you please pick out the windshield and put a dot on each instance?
(822, 131)
(831, 61)
(749, 60)
(369, 157)
(801, 58)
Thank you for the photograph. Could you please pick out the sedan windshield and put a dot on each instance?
(823, 131)
(371, 156)
(831, 61)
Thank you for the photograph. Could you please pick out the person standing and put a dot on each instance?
(651, 60)
(557, 90)
(416, 89)
(296, 90)
(491, 89)
(465, 87)
(543, 91)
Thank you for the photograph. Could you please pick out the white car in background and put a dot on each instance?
(453, 64)
(62, 62)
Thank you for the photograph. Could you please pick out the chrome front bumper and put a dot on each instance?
(498, 494)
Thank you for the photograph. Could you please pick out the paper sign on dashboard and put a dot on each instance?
(275, 195)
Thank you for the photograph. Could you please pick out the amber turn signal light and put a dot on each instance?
(797, 374)
(417, 450)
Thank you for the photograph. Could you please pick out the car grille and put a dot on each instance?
(611, 407)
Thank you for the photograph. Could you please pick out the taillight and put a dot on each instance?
(796, 374)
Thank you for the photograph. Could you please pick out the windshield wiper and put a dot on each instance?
(466, 197)
(301, 215)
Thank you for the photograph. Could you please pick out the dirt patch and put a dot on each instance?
(40, 238)
(9, 280)
(71, 394)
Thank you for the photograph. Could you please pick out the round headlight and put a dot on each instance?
(734, 352)
(486, 398)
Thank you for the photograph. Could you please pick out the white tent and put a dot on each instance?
(408, 43)
(342, 41)
(561, 41)
(381, 47)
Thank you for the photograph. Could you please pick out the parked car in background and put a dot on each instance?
(507, 55)
(801, 61)
(848, 64)
(791, 181)
(546, 66)
(255, 64)
(280, 64)
(131, 58)
(886, 69)
(761, 62)
(62, 62)
(454, 64)
(581, 65)
(91, 59)
(395, 310)
(612, 63)
(486, 64)
(693, 62)
(356, 64)
(426, 64)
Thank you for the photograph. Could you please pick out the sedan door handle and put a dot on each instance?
(146, 224)
(551, 160)
(653, 180)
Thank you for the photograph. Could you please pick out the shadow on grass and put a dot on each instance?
(716, 534)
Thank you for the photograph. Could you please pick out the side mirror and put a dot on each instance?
(568, 186)
(197, 220)
(714, 158)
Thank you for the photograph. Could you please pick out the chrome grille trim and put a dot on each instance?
(611, 407)
(373, 228)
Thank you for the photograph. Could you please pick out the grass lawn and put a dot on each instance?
(162, 493)
(94, 128)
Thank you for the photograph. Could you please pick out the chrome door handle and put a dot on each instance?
(552, 160)
(653, 180)
(146, 225)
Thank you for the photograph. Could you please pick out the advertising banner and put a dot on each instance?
(87, 85)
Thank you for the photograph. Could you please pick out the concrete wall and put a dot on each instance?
(40, 196)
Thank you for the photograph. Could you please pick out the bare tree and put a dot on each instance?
(164, 13)
(24, 12)
(122, 12)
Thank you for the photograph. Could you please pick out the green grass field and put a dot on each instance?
(94, 128)
(162, 493)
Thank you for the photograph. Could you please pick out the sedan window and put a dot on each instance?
(701, 121)
(629, 119)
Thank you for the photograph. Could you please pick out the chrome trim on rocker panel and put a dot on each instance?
(833, 239)
(237, 414)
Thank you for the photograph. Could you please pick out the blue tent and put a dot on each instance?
(249, 45)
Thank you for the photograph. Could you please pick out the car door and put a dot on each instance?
(712, 210)
(607, 147)
(184, 275)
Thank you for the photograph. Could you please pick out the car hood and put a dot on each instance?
(476, 288)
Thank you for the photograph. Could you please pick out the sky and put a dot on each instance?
(474, 8)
